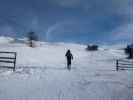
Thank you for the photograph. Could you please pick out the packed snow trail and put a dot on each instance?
(41, 74)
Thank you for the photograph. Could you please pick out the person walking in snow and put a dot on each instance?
(69, 57)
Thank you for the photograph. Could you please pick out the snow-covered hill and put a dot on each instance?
(41, 74)
(5, 40)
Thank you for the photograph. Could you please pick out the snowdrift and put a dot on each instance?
(5, 40)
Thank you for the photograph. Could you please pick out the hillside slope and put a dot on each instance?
(41, 74)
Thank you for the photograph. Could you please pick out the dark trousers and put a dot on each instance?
(69, 64)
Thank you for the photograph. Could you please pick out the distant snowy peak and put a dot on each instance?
(4, 39)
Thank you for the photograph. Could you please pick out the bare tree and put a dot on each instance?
(32, 37)
(129, 51)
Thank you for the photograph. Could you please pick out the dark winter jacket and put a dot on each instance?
(69, 55)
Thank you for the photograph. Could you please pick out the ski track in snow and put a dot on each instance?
(41, 74)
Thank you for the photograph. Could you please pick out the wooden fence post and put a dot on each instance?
(15, 62)
(117, 65)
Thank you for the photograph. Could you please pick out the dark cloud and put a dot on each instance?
(67, 19)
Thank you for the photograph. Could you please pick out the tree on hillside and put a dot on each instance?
(32, 37)
(129, 51)
(92, 48)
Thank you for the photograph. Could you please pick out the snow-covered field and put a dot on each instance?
(41, 74)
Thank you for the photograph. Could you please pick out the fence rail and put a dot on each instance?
(121, 64)
(8, 57)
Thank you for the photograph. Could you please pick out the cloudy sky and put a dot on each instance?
(81, 21)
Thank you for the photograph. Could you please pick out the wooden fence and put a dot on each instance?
(8, 58)
(123, 64)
